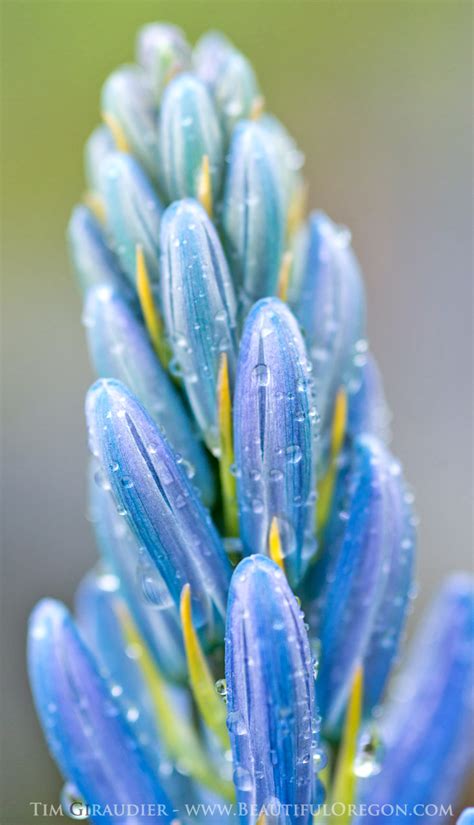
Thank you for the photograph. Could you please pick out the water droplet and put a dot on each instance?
(133, 714)
(242, 779)
(368, 761)
(294, 453)
(236, 724)
(320, 759)
(108, 583)
(221, 689)
(232, 546)
(257, 505)
(71, 803)
(154, 589)
(261, 375)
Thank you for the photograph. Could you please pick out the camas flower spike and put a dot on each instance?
(231, 649)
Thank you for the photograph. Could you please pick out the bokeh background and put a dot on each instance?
(377, 94)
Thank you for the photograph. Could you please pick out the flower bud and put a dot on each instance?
(199, 308)
(274, 437)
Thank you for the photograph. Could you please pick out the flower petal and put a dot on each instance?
(368, 409)
(288, 159)
(270, 691)
(331, 310)
(92, 743)
(274, 436)
(157, 499)
(467, 817)
(199, 308)
(128, 105)
(141, 586)
(99, 145)
(133, 212)
(120, 348)
(230, 78)
(98, 606)
(189, 132)
(389, 622)
(427, 727)
(164, 52)
(252, 218)
(347, 583)
(94, 262)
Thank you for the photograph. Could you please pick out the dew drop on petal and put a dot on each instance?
(71, 803)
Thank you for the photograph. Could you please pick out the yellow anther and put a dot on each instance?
(202, 684)
(274, 545)
(118, 134)
(284, 276)
(226, 457)
(262, 820)
(345, 780)
(258, 105)
(297, 209)
(205, 186)
(327, 482)
(339, 422)
(96, 204)
(153, 321)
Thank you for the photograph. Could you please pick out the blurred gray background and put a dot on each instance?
(378, 96)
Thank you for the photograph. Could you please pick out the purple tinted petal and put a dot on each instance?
(270, 691)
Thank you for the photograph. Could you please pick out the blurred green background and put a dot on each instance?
(378, 96)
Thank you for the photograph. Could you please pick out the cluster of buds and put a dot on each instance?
(230, 652)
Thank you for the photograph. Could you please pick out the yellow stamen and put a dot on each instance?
(297, 209)
(212, 708)
(205, 186)
(345, 780)
(258, 105)
(274, 545)
(327, 483)
(262, 820)
(118, 134)
(153, 321)
(226, 458)
(96, 204)
(284, 276)
(178, 735)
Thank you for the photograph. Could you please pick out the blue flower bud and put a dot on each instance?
(252, 218)
(270, 693)
(368, 410)
(189, 131)
(98, 607)
(199, 308)
(94, 262)
(331, 310)
(133, 212)
(427, 727)
(128, 105)
(158, 501)
(141, 586)
(120, 348)
(99, 145)
(210, 54)
(92, 743)
(348, 583)
(274, 434)
(163, 51)
(288, 159)
(389, 621)
(467, 817)
(230, 78)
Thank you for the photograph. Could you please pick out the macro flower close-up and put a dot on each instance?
(244, 649)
